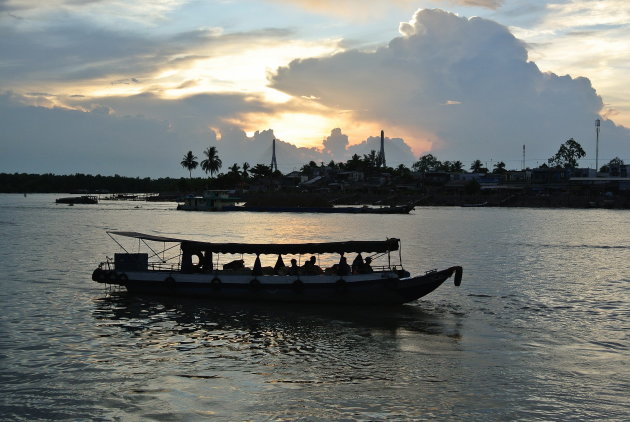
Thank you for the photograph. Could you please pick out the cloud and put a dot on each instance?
(145, 136)
(488, 4)
(396, 150)
(141, 11)
(91, 99)
(135, 136)
(350, 9)
(464, 85)
(583, 37)
(336, 144)
(140, 136)
(77, 53)
(41, 140)
(81, 53)
(74, 58)
(338, 147)
(587, 13)
(363, 9)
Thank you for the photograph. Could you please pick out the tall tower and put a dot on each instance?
(274, 164)
(523, 167)
(597, 122)
(383, 148)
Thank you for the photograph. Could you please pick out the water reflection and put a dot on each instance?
(275, 322)
(277, 348)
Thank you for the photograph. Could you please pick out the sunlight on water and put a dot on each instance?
(537, 330)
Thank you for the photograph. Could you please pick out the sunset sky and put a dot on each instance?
(128, 87)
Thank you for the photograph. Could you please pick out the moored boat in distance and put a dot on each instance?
(394, 209)
(478, 204)
(195, 269)
(211, 200)
(84, 199)
(224, 200)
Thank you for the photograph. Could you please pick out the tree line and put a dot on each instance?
(567, 157)
(78, 183)
(239, 175)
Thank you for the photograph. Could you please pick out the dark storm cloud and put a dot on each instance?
(465, 84)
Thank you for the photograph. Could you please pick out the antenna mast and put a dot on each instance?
(383, 148)
(274, 164)
(597, 122)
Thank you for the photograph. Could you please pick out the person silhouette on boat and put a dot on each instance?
(343, 268)
(365, 267)
(357, 263)
(310, 267)
(294, 269)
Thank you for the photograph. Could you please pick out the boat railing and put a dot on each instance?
(386, 268)
(163, 266)
(109, 264)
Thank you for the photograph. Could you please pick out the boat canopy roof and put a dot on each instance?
(356, 246)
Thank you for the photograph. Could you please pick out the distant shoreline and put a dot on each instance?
(523, 200)
(167, 189)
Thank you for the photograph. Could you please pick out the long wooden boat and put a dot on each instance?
(85, 199)
(183, 267)
(397, 209)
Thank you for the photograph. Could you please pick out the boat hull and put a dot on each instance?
(404, 209)
(86, 199)
(385, 288)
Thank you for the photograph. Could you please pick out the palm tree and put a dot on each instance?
(190, 162)
(354, 163)
(235, 169)
(499, 168)
(457, 167)
(476, 166)
(402, 171)
(212, 163)
(371, 159)
(261, 170)
(245, 168)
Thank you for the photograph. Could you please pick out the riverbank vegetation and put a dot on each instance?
(364, 180)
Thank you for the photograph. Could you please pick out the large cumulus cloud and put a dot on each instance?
(466, 85)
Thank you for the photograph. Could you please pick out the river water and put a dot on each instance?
(538, 330)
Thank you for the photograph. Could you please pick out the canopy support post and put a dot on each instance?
(121, 246)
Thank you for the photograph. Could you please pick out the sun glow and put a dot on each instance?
(300, 129)
(237, 70)
(242, 71)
